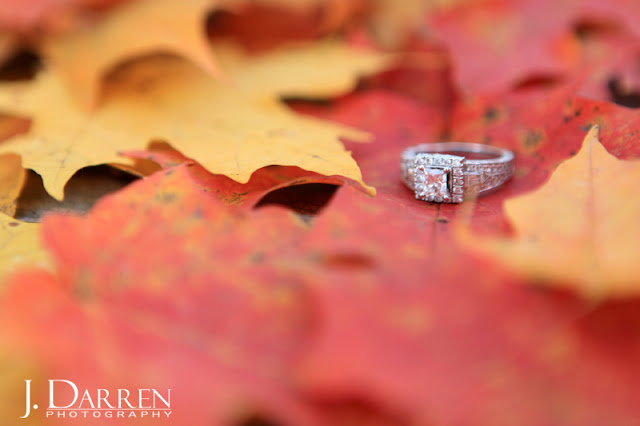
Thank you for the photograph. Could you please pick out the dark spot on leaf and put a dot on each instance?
(235, 198)
(520, 172)
(13, 224)
(166, 197)
(348, 260)
(567, 118)
(305, 218)
(445, 135)
(487, 139)
(169, 172)
(82, 288)
(490, 115)
(442, 220)
(198, 213)
(532, 138)
(577, 112)
(573, 152)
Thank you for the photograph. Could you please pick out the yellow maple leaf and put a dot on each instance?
(19, 241)
(83, 56)
(12, 177)
(579, 230)
(231, 128)
(20, 245)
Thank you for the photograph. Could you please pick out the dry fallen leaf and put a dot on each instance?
(19, 241)
(20, 245)
(188, 325)
(83, 56)
(495, 44)
(12, 177)
(408, 320)
(232, 129)
(579, 229)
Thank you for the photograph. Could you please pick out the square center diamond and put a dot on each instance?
(438, 177)
(432, 184)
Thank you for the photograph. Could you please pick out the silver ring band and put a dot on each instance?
(436, 175)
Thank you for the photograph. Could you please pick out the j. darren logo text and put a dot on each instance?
(66, 400)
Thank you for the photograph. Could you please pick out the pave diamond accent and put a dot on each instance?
(438, 178)
(490, 175)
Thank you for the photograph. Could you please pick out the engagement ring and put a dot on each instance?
(447, 172)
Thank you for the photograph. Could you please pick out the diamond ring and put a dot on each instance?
(447, 172)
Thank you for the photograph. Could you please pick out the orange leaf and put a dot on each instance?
(412, 324)
(201, 309)
(495, 44)
(579, 229)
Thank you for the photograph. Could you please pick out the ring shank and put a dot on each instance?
(481, 175)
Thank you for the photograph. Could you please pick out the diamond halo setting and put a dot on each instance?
(439, 178)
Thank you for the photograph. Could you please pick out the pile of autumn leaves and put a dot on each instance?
(362, 310)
